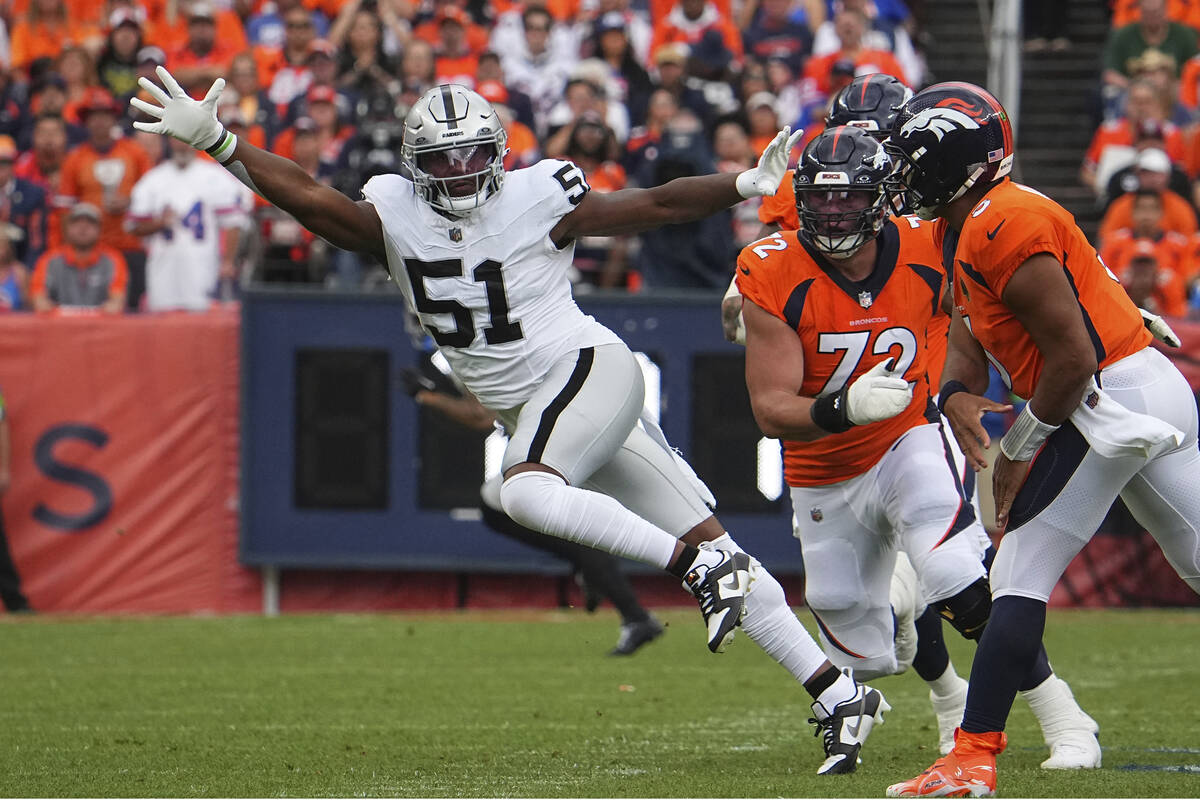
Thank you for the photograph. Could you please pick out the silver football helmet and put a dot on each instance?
(453, 148)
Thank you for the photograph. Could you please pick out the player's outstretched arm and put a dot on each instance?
(680, 200)
(323, 210)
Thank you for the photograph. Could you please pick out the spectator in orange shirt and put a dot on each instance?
(689, 20)
(851, 26)
(42, 163)
(78, 71)
(203, 57)
(455, 62)
(475, 37)
(522, 145)
(46, 29)
(167, 26)
(1144, 112)
(102, 171)
(1170, 252)
(83, 273)
(1153, 172)
(284, 71)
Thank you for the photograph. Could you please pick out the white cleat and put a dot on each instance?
(949, 711)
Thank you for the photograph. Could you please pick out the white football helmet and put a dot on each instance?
(454, 148)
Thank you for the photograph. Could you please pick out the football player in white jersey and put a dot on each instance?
(482, 256)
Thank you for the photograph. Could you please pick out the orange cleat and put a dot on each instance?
(969, 770)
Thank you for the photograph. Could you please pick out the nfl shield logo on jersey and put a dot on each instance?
(816, 514)
(456, 234)
(865, 299)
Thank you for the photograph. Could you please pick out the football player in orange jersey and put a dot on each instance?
(871, 103)
(1107, 416)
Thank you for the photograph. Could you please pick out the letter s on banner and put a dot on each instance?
(43, 455)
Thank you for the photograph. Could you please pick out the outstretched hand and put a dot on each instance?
(180, 116)
(765, 178)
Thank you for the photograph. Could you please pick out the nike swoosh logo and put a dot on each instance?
(992, 234)
(733, 583)
(743, 270)
(853, 731)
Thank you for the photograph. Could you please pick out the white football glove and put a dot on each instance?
(1159, 328)
(191, 121)
(764, 179)
(878, 394)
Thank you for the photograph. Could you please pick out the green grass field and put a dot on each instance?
(519, 705)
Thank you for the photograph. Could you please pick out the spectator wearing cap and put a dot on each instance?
(851, 27)
(688, 22)
(1126, 179)
(322, 65)
(475, 37)
(167, 24)
(82, 273)
(1153, 30)
(670, 73)
(610, 44)
(268, 26)
(636, 25)
(1144, 114)
(1147, 236)
(1153, 171)
(78, 72)
(882, 33)
(102, 171)
(45, 29)
(321, 104)
(522, 144)
(535, 69)
(1159, 70)
(454, 60)
(775, 34)
(22, 204)
(284, 71)
(203, 57)
(117, 67)
(762, 121)
(364, 67)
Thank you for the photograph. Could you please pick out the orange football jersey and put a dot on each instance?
(846, 328)
(1011, 224)
(780, 209)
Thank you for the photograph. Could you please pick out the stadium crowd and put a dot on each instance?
(636, 92)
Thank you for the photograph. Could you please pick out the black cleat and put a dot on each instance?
(846, 727)
(721, 592)
(635, 634)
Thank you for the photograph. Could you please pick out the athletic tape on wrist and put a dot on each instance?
(1025, 437)
(222, 151)
(829, 413)
(948, 390)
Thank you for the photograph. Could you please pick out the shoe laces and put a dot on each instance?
(824, 729)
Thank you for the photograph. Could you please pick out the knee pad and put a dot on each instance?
(528, 496)
(968, 611)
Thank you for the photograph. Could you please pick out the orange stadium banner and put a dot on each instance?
(124, 462)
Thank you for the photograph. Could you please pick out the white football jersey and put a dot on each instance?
(491, 288)
(182, 261)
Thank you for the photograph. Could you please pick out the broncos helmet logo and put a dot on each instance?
(939, 121)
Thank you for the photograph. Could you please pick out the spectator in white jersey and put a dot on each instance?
(191, 213)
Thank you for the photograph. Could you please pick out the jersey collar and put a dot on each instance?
(887, 252)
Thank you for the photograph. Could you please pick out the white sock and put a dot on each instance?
(945, 683)
(545, 503)
(1056, 708)
(772, 625)
(842, 690)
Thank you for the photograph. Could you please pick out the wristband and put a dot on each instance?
(829, 413)
(746, 183)
(1025, 437)
(948, 390)
(223, 149)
